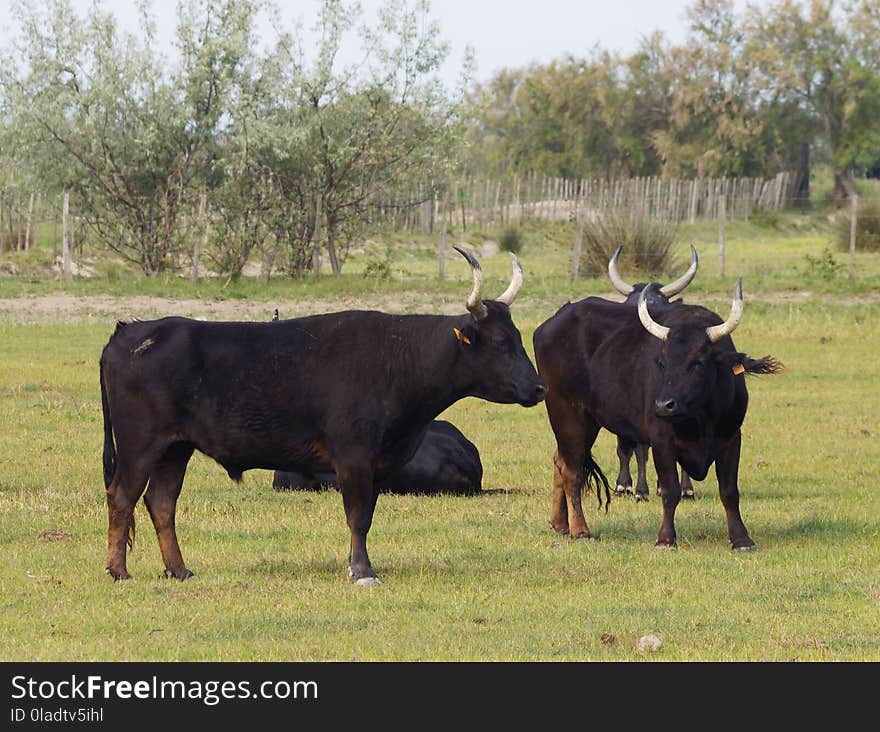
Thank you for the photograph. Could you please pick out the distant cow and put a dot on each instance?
(445, 462)
(660, 297)
(350, 393)
(672, 380)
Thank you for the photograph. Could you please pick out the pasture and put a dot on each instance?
(465, 578)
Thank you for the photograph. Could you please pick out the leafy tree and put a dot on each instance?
(105, 118)
(824, 64)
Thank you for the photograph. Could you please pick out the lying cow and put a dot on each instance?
(672, 380)
(445, 462)
(350, 393)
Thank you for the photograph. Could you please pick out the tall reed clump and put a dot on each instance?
(648, 243)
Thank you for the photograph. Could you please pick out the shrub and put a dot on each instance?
(647, 242)
(824, 266)
(511, 239)
(867, 227)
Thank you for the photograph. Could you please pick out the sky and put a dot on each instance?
(502, 33)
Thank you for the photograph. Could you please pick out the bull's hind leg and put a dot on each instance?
(642, 492)
(574, 438)
(166, 480)
(624, 483)
(122, 495)
(687, 486)
(727, 470)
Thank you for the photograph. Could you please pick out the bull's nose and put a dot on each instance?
(541, 391)
(665, 407)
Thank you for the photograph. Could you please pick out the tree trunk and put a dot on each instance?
(844, 188)
(316, 236)
(331, 252)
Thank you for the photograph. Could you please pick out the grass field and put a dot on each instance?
(481, 578)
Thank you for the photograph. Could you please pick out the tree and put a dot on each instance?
(823, 63)
(106, 119)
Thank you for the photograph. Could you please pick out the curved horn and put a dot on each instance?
(622, 287)
(717, 332)
(673, 288)
(651, 325)
(475, 301)
(516, 281)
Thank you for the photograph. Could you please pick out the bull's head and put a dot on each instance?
(500, 368)
(693, 363)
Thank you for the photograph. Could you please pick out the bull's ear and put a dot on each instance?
(740, 363)
(470, 334)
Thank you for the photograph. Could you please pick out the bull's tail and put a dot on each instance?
(592, 478)
(109, 445)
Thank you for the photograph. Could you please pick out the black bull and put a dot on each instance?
(673, 381)
(445, 462)
(659, 297)
(350, 392)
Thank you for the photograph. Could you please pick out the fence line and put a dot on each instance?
(481, 202)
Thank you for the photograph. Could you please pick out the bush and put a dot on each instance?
(647, 242)
(767, 218)
(867, 227)
(824, 267)
(511, 239)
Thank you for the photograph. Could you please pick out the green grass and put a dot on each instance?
(480, 578)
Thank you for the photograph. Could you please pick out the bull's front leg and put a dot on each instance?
(359, 498)
(670, 494)
(727, 471)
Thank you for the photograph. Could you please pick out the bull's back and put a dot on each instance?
(244, 393)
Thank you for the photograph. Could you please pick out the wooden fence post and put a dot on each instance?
(27, 230)
(65, 246)
(722, 215)
(201, 238)
(441, 246)
(853, 220)
(578, 241)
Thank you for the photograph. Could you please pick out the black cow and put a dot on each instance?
(660, 297)
(350, 392)
(445, 462)
(673, 381)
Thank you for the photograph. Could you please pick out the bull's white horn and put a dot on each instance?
(652, 326)
(624, 288)
(516, 281)
(475, 299)
(673, 288)
(717, 332)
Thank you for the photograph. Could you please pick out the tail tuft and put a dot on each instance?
(131, 531)
(592, 478)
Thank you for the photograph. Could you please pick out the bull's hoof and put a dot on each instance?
(584, 536)
(622, 490)
(663, 545)
(562, 530)
(688, 495)
(368, 581)
(642, 497)
(118, 575)
(745, 548)
(181, 574)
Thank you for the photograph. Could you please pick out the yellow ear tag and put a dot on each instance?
(738, 369)
(461, 337)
